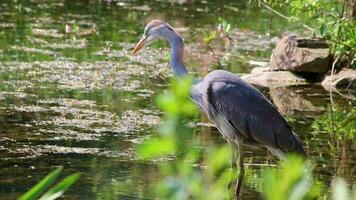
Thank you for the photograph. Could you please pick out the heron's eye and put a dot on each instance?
(169, 28)
(147, 32)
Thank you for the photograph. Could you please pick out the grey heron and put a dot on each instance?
(241, 113)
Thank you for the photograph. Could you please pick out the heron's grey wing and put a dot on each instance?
(248, 111)
(197, 95)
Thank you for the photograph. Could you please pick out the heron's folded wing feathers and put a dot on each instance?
(252, 115)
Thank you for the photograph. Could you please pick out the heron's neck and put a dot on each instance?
(176, 55)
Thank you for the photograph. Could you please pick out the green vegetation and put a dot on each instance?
(223, 28)
(334, 21)
(293, 179)
(340, 122)
(55, 191)
(224, 25)
(187, 177)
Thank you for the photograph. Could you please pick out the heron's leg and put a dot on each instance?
(233, 159)
(233, 152)
(240, 163)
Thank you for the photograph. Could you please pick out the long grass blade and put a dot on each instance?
(60, 188)
(40, 187)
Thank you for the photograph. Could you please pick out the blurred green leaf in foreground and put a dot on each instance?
(54, 192)
(196, 172)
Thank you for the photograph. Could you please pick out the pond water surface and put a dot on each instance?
(72, 96)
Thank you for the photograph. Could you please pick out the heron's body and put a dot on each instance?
(242, 114)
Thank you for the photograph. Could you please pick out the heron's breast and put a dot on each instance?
(224, 127)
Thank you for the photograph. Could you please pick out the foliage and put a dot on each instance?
(209, 36)
(223, 27)
(292, 179)
(338, 121)
(71, 30)
(173, 132)
(186, 177)
(329, 18)
(54, 192)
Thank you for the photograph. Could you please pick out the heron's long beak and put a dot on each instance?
(139, 45)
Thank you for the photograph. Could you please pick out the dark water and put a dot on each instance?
(77, 99)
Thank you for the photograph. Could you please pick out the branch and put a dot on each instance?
(285, 17)
(353, 49)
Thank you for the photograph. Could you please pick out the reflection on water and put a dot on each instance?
(291, 99)
(70, 95)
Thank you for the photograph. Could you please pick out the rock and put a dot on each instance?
(301, 55)
(274, 78)
(259, 70)
(345, 79)
(289, 100)
(258, 63)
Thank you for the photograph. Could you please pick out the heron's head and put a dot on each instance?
(153, 30)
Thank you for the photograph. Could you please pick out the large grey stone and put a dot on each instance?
(274, 78)
(259, 70)
(301, 55)
(345, 79)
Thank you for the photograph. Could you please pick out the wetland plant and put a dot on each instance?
(190, 171)
(39, 190)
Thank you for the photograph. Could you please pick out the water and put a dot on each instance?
(78, 100)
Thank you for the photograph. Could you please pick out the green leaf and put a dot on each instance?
(228, 26)
(40, 187)
(322, 30)
(157, 147)
(61, 187)
(292, 180)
